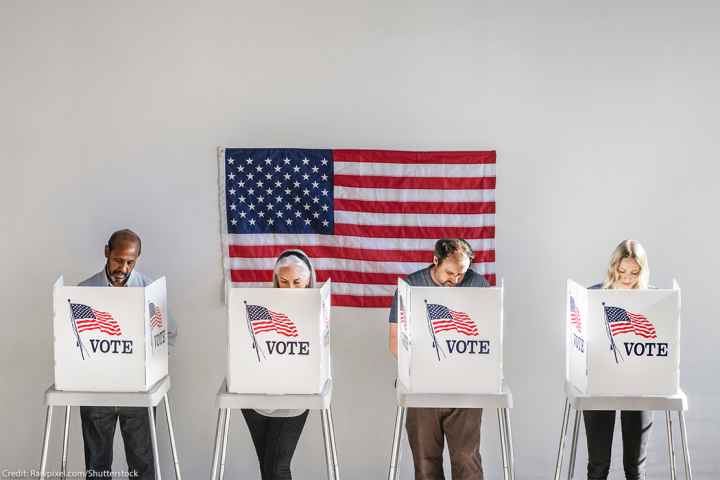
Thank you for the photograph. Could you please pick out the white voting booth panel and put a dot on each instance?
(450, 340)
(110, 339)
(623, 342)
(278, 340)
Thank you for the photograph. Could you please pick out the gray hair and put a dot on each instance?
(294, 258)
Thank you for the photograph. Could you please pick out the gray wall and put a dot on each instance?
(603, 116)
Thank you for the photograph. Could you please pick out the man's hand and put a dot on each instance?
(393, 339)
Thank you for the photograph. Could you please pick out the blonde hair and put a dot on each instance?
(296, 258)
(628, 249)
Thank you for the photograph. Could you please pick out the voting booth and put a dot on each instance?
(450, 340)
(278, 340)
(623, 342)
(109, 339)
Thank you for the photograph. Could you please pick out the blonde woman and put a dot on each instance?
(628, 269)
(275, 433)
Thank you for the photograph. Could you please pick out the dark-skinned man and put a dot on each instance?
(428, 427)
(98, 423)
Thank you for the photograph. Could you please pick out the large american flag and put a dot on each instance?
(265, 320)
(87, 318)
(444, 319)
(365, 217)
(622, 321)
(575, 319)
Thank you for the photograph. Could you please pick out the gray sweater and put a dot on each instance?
(422, 278)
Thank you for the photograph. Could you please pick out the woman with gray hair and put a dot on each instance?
(275, 433)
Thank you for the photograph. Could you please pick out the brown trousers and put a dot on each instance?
(427, 429)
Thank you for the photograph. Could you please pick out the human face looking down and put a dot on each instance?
(628, 273)
(121, 261)
(451, 271)
(292, 276)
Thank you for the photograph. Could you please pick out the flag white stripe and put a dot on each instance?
(414, 219)
(337, 288)
(426, 244)
(414, 195)
(349, 265)
(415, 170)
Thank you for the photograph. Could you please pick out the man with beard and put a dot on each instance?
(98, 423)
(428, 427)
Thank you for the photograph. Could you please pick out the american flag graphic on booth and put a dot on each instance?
(156, 318)
(87, 318)
(444, 319)
(365, 217)
(575, 319)
(265, 320)
(622, 321)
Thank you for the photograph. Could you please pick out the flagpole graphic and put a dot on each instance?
(613, 346)
(252, 333)
(436, 345)
(78, 341)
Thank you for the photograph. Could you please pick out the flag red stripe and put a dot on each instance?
(361, 301)
(263, 329)
(347, 276)
(382, 231)
(84, 328)
(616, 329)
(420, 158)
(109, 331)
(100, 323)
(444, 329)
(416, 183)
(342, 204)
(372, 255)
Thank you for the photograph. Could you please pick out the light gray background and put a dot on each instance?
(603, 115)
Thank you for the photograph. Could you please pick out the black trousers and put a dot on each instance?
(599, 426)
(98, 428)
(275, 439)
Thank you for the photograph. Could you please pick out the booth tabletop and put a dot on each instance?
(109, 399)
(440, 400)
(581, 401)
(319, 401)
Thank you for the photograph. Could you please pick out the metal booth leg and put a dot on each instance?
(153, 438)
(671, 444)
(397, 437)
(509, 442)
(686, 450)
(226, 428)
(46, 440)
(326, 443)
(216, 449)
(573, 448)
(331, 425)
(171, 431)
(503, 445)
(66, 430)
(563, 435)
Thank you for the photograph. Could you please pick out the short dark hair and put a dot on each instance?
(124, 234)
(446, 247)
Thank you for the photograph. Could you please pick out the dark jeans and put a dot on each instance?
(98, 427)
(599, 426)
(427, 429)
(275, 439)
